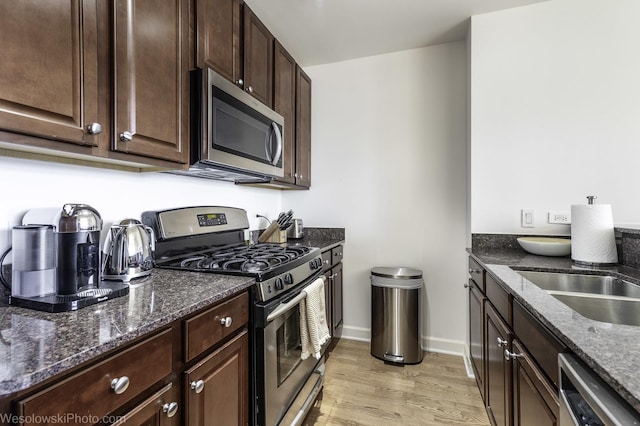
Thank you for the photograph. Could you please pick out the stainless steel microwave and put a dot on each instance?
(233, 135)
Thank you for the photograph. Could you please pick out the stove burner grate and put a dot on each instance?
(250, 259)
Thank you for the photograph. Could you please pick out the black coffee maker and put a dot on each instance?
(76, 231)
(78, 236)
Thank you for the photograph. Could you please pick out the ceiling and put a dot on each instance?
(324, 31)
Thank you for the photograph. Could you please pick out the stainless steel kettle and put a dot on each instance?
(128, 251)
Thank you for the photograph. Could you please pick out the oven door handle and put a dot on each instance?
(283, 308)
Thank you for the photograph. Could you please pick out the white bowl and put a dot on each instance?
(544, 246)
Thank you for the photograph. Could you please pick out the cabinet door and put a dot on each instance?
(535, 401)
(284, 103)
(476, 334)
(151, 78)
(161, 409)
(258, 58)
(303, 128)
(222, 380)
(219, 42)
(498, 369)
(49, 69)
(336, 309)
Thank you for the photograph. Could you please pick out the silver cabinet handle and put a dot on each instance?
(326, 262)
(170, 408)
(239, 82)
(94, 128)
(226, 321)
(120, 384)
(126, 136)
(502, 342)
(339, 254)
(474, 271)
(250, 89)
(197, 386)
(465, 285)
(295, 175)
(510, 355)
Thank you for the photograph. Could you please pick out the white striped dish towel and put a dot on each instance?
(314, 331)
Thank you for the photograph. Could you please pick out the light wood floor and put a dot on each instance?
(362, 390)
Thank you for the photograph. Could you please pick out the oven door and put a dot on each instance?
(283, 376)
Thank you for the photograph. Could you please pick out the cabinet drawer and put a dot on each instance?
(477, 273)
(206, 329)
(543, 346)
(88, 395)
(498, 297)
(337, 254)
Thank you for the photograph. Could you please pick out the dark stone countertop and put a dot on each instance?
(35, 346)
(611, 350)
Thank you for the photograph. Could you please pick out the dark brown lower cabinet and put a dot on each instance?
(535, 400)
(476, 333)
(216, 389)
(498, 372)
(161, 409)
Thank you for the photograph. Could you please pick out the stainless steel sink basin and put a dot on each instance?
(593, 284)
(599, 297)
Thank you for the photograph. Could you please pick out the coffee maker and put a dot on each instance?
(74, 232)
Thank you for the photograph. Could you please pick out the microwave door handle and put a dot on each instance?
(278, 153)
(267, 147)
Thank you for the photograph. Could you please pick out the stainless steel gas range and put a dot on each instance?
(211, 239)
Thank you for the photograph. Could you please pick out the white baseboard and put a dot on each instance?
(467, 366)
(430, 344)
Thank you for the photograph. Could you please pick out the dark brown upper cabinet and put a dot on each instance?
(303, 129)
(219, 37)
(258, 58)
(151, 60)
(49, 70)
(284, 103)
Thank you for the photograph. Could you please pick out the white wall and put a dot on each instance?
(117, 195)
(388, 149)
(555, 112)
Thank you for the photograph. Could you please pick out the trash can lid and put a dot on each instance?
(398, 273)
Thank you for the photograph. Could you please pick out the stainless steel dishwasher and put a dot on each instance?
(586, 400)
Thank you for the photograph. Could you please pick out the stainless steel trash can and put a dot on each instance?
(396, 312)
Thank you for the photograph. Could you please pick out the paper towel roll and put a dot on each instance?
(592, 236)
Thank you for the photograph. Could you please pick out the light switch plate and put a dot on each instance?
(528, 218)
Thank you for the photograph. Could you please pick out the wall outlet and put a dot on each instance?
(528, 218)
(560, 217)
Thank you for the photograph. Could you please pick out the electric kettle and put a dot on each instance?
(128, 251)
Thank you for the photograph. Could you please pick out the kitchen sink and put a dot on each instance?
(599, 297)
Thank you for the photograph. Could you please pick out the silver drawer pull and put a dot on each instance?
(474, 271)
(249, 89)
(94, 128)
(197, 386)
(126, 136)
(170, 408)
(226, 321)
(120, 384)
(502, 342)
(510, 355)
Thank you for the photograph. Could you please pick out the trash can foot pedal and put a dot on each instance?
(393, 358)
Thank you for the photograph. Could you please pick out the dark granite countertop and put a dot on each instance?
(35, 346)
(611, 350)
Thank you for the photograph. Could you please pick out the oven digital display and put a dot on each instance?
(212, 219)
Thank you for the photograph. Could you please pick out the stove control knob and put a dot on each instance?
(318, 262)
(279, 284)
(288, 279)
(312, 264)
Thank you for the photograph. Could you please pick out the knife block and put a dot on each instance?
(278, 237)
(273, 234)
